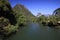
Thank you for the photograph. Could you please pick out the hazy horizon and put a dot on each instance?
(38, 6)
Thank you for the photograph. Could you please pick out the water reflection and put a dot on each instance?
(35, 31)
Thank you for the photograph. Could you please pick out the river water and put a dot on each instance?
(35, 31)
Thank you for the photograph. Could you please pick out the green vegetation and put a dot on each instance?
(12, 19)
(52, 20)
(22, 20)
(23, 15)
(10, 28)
(7, 18)
(42, 18)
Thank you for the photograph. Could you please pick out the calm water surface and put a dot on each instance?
(36, 32)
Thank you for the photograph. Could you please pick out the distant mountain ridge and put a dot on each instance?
(22, 10)
(20, 7)
(57, 12)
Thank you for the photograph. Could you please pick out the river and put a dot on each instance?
(36, 32)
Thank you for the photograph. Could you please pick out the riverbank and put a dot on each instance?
(51, 24)
(35, 31)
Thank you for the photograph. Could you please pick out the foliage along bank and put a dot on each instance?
(51, 20)
(12, 18)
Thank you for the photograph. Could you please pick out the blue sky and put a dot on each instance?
(38, 6)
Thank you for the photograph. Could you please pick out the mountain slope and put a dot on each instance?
(57, 12)
(22, 10)
(6, 11)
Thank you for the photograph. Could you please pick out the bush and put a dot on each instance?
(22, 20)
(10, 28)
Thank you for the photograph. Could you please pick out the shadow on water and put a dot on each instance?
(6, 37)
(34, 31)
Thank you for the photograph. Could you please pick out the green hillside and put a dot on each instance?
(21, 10)
(12, 19)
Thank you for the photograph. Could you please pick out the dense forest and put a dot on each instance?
(51, 20)
(13, 18)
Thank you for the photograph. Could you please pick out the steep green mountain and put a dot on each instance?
(7, 18)
(12, 19)
(6, 11)
(21, 10)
